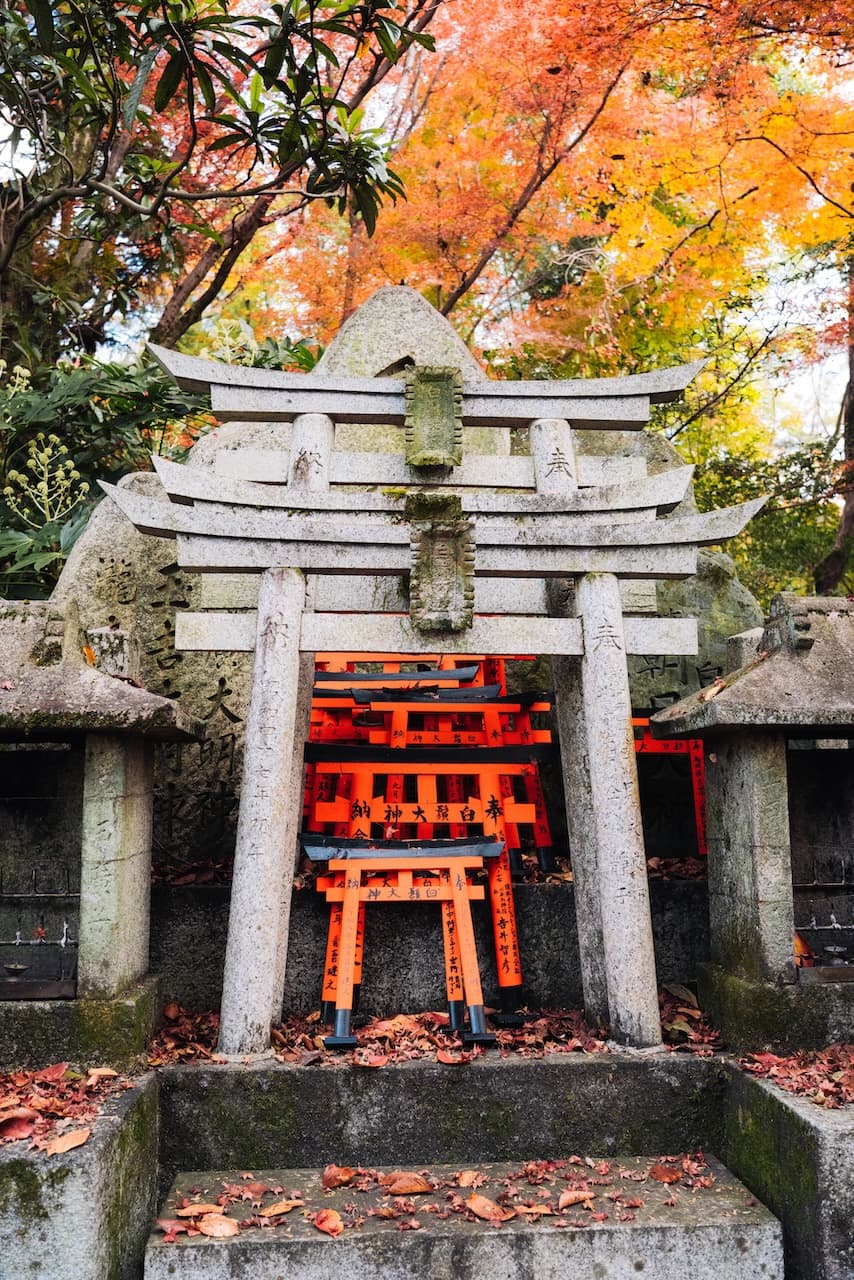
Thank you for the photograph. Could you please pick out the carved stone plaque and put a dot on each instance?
(434, 423)
(441, 589)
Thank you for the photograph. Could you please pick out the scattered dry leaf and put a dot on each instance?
(329, 1221)
(67, 1142)
(469, 1178)
(405, 1184)
(218, 1226)
(482, 1207)
(337, 1176)
(281, 1206)
(661, 1173)
(197, 1210)
(568, 1198)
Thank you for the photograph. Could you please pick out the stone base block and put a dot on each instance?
(798, 1158)
(83, 1215)
(708, 1233)
(84, 1031)
(755, 1015)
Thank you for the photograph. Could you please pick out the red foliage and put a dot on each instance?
(823, 1076)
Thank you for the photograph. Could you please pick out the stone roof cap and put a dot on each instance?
(801, 681)
(47, 689)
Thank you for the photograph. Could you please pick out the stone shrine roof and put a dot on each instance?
(48, 690)
(801, 680)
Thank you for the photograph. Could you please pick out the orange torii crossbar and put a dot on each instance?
(437, 873)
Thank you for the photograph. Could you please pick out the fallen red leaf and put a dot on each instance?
(661, 1173)
(405, 1184)
(482, 1207)
(329, 1221)
(67, 1142)
(218, 1227)
(337, 1176)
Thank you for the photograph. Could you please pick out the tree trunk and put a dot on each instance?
(830, 571)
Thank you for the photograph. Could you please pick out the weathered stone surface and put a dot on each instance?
(115, 1031)
(268, 822)
(115, 864)
(722, 1232)
(50, 691)
(403, 959)
(753, 1015)
(615, 824)
(750, 877)
(802, 679)
(722, 607)
(130, 581)
(797, 1158)
(83, 1215)
(273, 1115)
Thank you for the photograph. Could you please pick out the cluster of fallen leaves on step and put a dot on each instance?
(53, 1108)
(184, 1037)
(823, 1076)
(684, 1026)
(409, 1037)
(576, 1192)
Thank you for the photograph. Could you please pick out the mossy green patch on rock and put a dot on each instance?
(22, 1190)
(114, 1032)
(754, 1015)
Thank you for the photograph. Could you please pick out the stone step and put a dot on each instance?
(703, 1224)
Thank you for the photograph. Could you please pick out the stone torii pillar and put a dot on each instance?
(601, 787)
(271, 789)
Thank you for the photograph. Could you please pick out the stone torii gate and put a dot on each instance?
(477, 536)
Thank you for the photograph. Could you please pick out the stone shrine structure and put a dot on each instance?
(439, 520)
(780, 791)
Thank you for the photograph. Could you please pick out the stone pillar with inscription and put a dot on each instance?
(311, 453)
(263, 860)
(613, 816)
(553, 454)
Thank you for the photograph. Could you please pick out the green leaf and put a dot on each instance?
(172, 75)
(133, 99)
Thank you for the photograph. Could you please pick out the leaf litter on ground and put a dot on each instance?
(535, 1191)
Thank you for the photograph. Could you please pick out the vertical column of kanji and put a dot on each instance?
(553, 455)
(615, 816)
(263, 860)
(311, 457)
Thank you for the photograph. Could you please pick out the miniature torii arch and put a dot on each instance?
(471, 550)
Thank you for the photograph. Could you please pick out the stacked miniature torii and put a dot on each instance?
(469, 550)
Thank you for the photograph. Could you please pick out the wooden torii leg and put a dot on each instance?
(508, 962)
(477, 1033)
(342, 1036)
(698, 788)
(329, 989)
(453, 971)
(542, 831)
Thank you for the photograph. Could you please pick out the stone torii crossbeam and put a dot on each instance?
(469, 533)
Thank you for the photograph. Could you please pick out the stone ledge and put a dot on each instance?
(719, 1231)
(83, 1215)
(491, 1109)
(754, 1015)
(797, 1158)
(83, 1031)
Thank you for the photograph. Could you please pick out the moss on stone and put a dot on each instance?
(433, 507)
(757, 1015)
(114, 1031)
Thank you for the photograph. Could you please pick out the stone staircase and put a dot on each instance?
(663, 1214)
